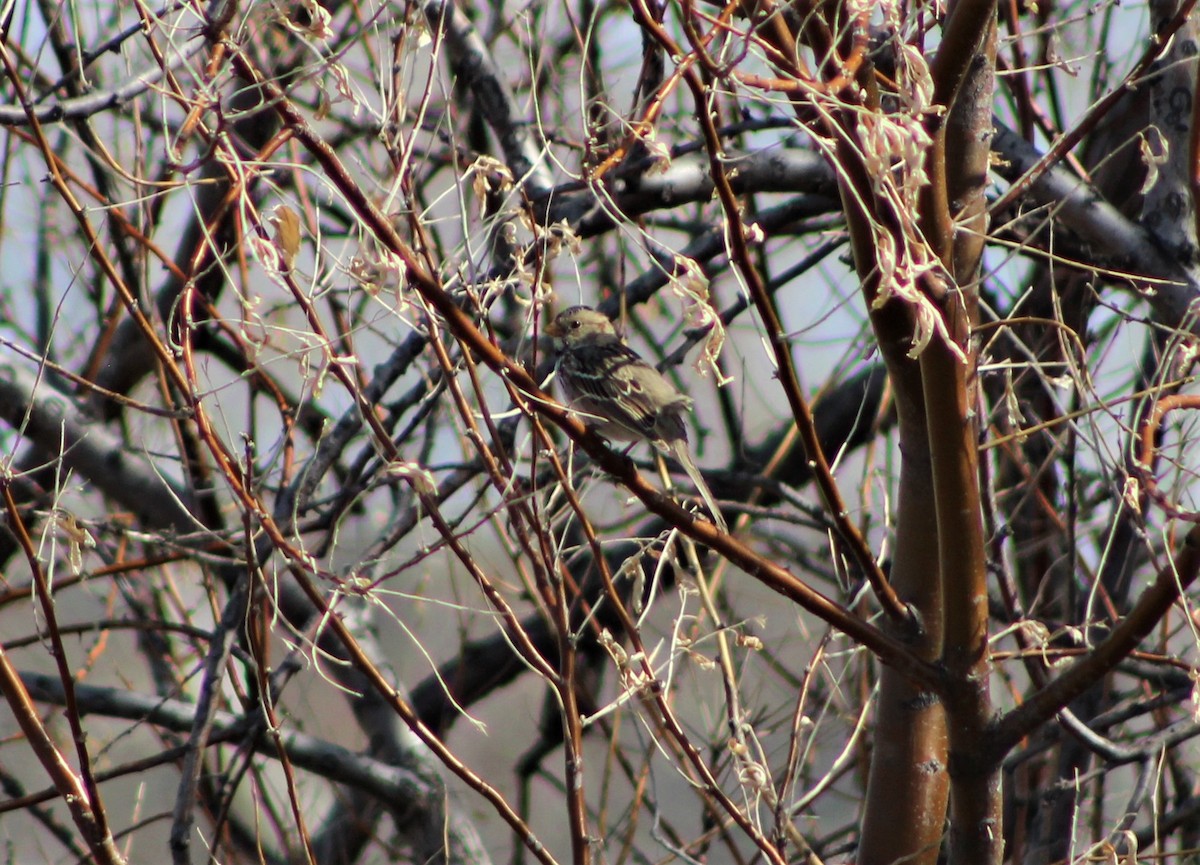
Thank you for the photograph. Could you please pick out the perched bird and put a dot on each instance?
(625, 397)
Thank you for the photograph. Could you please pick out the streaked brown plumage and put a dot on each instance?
(622, 395)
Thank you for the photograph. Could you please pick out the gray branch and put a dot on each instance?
(472, 61)
(1117, 242)
(59, 427)
(392, 784)
(96, 103)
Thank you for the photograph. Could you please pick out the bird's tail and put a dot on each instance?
(682, 453)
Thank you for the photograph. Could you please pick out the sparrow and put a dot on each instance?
(623, 396)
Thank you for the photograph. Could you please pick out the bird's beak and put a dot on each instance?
(552, 329)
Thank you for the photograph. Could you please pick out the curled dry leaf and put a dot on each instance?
(420, 477)
(1154, 153)
(489, 175)
(691, 285)
(306, 18)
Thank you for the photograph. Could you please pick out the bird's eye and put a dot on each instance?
(575, 325)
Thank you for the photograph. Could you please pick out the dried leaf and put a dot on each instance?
(286, 223)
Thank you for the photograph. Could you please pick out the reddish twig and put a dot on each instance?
(1144, 464)
(80, 793)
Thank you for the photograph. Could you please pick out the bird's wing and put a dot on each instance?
(630, 393)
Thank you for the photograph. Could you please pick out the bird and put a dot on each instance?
(624, 397)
